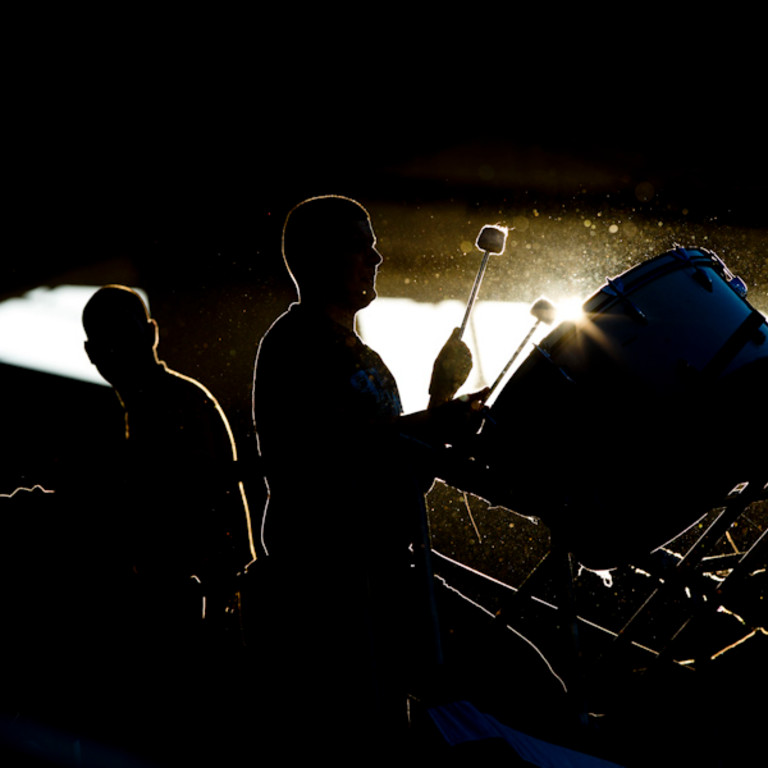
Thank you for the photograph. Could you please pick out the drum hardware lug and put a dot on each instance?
(734, 281)
(617, 289)
(738, 285)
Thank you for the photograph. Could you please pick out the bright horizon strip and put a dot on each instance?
(409, 334)
(42, 331)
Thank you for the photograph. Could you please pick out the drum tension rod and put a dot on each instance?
(543, 352)
(617, 287)
(699, 275)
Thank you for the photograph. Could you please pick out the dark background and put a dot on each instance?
(164, 152)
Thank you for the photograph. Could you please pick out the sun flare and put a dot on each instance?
(569, 309)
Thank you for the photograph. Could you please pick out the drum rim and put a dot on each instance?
(649, 271)
(655, 269)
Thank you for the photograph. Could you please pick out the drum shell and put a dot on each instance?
(624, 427)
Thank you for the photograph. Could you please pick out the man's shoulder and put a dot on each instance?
(283, 327)
(302, 332)
(296, 319)
(185, 390)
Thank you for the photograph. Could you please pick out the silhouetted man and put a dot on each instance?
(345, 524)
(185, 519)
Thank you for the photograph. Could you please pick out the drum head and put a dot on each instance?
(622, 429)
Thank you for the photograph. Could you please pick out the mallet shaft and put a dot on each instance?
(473, 294)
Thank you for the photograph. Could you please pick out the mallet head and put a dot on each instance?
(492, 239)
(544, 310)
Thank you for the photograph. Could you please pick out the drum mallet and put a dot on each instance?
(544, 311)
(491, 240)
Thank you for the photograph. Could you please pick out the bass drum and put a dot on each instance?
(622, 429)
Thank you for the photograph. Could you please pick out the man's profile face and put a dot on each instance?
(358, 262)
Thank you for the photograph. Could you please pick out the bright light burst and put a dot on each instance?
(409, 334)
(569, 308)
